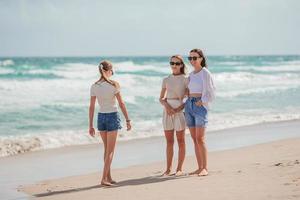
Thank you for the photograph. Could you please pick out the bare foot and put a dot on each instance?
(195, 172)
(105, 183)
(111, 180)
(203, 172)
(167, 173)
(179, 173)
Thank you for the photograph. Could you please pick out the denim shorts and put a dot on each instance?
(109, 121)
(195, 116)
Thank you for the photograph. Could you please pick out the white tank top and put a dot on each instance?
(195, 82)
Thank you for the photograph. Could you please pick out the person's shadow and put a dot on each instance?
(138, 181)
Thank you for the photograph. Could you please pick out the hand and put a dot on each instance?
(177, 109)
(92, 131)
(199, 103)
(128, 126)
(170, 111)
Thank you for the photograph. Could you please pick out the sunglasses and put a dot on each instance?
(193, 58)
(175, 63)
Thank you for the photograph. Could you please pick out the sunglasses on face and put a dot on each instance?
(175, 63)
(193, 58)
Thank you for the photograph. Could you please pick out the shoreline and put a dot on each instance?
(262, 171)
(33, 167)
(143, 138)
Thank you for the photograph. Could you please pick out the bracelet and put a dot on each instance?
(128, 120)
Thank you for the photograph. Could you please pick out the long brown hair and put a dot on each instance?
(183, 68)
(106, 66)
(201, 54)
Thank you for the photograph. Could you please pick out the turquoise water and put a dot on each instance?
(44, 101)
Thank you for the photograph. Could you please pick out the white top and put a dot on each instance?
(106, 98)
(195, 82)
(202, 82)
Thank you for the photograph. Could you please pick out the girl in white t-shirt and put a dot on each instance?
(171, 96)
(107, 92)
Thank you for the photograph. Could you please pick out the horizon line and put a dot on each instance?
(113, 56)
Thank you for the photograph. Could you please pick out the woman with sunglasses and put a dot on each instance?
(107, 91)
(173, 90)
(201, 92)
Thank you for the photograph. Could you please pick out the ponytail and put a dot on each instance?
(106, 66)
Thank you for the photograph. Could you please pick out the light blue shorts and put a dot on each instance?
(195, 116)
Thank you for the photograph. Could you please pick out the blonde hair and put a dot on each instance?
(183, 68)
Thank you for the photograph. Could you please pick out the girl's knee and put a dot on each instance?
(170, 142)
(201, 141)
(181, 142)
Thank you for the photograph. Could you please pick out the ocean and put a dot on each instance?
(44, 101)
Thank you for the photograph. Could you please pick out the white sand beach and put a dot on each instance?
(60, 58)
(261, 171)
(264, 171)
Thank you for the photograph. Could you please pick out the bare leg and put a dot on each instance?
(200, 134)
(181, 150)
(111, 142)
(197, 151)
(104, 139)
(169, 134)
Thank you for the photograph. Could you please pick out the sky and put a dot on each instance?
(148, 28)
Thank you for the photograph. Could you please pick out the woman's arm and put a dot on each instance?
(162, 100)
(208, 94)
(124, 110)
(209, 89)
(91, 116)
(162, 97)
